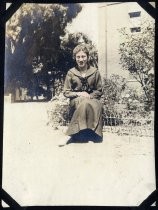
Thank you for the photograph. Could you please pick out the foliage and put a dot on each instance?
(33, 41)
(58, 111)
(137, 56)
(122, 105)
(118, 96)
(113, 87)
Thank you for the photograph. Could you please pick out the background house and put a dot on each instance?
(114, 16)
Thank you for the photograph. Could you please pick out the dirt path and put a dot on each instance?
(119, 171)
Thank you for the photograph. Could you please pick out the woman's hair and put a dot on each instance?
(78, 48)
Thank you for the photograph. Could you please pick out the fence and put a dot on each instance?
(123, 122)
(129, 123)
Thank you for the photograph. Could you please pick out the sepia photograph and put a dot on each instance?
(79, 104)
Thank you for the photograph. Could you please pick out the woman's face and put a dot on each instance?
(81, 59)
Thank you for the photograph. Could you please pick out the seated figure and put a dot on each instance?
(84, 88)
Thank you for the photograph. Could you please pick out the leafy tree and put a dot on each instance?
(33, 41)
(137, 56)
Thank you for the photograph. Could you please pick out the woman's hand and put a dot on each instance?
(83, 94)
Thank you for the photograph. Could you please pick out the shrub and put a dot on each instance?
(137, 57)
(58, 111)
(119, 102)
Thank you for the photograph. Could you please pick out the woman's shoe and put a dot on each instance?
(64, 141)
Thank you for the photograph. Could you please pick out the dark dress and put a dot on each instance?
(87, 112)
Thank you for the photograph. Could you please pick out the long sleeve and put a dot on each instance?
(67, 87)
(97, 92)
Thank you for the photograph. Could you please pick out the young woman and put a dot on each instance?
(83, 87)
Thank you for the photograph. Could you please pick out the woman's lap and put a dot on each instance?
(87, 116)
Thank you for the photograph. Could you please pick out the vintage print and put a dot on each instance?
(79, 105)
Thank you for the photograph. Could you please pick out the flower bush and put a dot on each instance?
(58, 111)
(137, 57)
(121, 100)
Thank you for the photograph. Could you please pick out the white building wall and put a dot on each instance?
(114, 16)
(102, 41)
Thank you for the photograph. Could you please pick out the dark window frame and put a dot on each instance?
(135, 29)
(134, 14)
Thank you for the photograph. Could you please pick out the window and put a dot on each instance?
(134, 14)
(135, 29)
